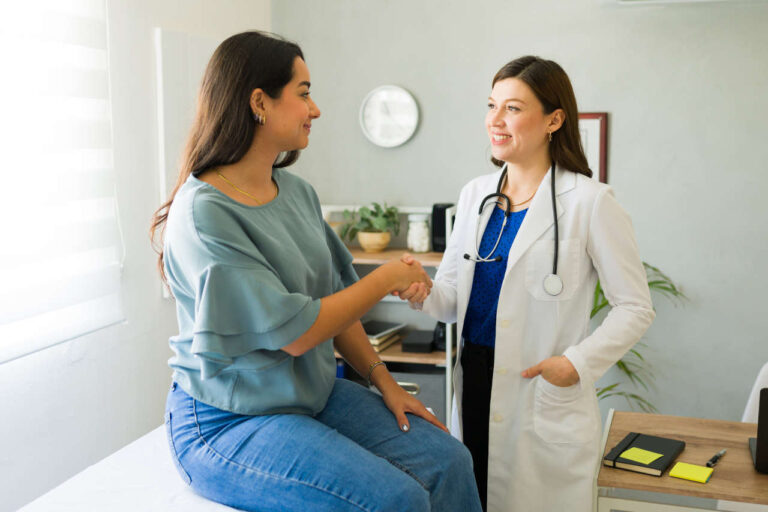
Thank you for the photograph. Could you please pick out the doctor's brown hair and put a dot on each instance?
(223, 127)
(551, 85)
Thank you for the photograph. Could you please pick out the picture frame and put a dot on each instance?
(593, 129)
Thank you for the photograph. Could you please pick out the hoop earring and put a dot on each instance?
(550, 136)
(259, 118)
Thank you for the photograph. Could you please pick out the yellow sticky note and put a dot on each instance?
(691, 472)
(640, 455)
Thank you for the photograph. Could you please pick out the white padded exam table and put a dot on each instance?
(139, 477)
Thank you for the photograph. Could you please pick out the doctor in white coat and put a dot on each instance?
(540, 366)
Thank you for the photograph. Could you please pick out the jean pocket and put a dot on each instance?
(172, 448)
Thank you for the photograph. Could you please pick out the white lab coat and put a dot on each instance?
(544, 439)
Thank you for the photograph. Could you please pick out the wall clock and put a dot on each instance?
(389, 116)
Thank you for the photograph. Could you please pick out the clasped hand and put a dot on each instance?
(418, 291)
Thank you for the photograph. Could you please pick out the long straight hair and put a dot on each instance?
(551, 85)
(223, 127)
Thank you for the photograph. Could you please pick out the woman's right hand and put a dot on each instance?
(405, 273)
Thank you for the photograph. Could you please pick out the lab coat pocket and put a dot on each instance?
(538, 265)
(562, 415)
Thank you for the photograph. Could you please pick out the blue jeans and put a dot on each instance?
(349, 457)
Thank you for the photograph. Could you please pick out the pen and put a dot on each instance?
(716, 457)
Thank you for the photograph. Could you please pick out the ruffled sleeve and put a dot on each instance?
(240, 310)
(344, 274)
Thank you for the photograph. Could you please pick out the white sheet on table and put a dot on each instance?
(139, 477)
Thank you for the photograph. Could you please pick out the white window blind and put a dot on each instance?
(59, 233)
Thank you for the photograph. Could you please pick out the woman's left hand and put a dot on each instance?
(399, 401)
(556, 370)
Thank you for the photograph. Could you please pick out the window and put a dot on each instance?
(61, 252)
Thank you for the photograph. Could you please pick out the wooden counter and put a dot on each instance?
(734, 478)
(395, 354)
(427, 259)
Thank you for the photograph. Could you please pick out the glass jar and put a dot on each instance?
(418, 232)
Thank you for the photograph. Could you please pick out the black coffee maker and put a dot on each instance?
(438, 226)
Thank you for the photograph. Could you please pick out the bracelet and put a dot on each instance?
(371, 368)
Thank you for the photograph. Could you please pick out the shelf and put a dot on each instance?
(395, 354)
(403, 210)
(427, 259)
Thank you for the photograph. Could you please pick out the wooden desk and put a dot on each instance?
(734, 479)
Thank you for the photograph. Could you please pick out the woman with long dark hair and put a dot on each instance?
(519, 273)
(256, 418)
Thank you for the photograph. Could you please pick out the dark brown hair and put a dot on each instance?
(551, 85)
(223, 128)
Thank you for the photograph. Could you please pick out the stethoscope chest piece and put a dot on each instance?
(553, 285)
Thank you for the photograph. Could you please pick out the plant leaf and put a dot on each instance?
(379, 223)
(633, 366)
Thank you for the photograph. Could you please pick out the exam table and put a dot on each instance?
(139, 477)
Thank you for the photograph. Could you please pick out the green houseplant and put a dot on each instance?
(633, 367)
(372, 226)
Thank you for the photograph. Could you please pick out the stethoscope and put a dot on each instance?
(553, 285)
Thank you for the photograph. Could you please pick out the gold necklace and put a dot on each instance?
(243, 191)
(511, 204)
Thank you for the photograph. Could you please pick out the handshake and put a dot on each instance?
(412, 282)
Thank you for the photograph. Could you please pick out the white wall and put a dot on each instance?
(66, 407)
(684, 86)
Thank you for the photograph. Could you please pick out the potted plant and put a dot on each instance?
(372, 226)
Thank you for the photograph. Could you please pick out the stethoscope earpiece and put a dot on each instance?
(470, 258)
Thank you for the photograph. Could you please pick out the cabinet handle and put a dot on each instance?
(410, 387)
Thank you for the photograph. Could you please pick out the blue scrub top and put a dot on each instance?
(480, 319)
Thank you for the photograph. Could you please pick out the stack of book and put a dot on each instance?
(382, 334)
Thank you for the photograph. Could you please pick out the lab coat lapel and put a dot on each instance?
(481, 225)
(473, 242)
(539, 216)
(477, 228)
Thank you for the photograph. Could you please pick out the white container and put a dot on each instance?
(418, 232)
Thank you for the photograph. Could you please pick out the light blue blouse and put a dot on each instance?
(248, 281)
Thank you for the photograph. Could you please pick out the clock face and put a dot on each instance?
(389, 116)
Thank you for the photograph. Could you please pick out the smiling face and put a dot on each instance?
(289, 117)
(516, 123)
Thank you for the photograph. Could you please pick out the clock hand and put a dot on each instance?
(389, 115)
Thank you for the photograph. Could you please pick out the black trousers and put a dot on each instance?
(477, 365)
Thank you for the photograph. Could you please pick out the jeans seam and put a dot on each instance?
(174, 453)
(406, 471)
(260, 472)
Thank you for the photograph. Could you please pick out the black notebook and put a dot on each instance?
(668, 449)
